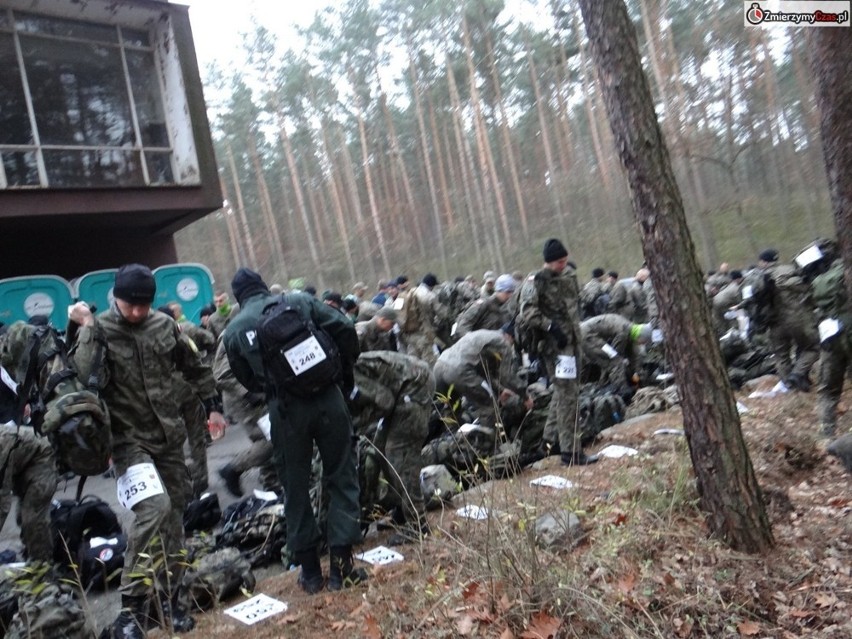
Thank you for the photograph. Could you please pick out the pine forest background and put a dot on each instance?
(454, 137)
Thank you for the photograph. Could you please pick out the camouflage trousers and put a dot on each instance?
(156, 537)
(835, 363)
(30, 475)
(405, 432)
(795, 344)
(260, 453)
(563, 425)
(195, 420)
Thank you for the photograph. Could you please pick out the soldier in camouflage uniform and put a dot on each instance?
(481, 368)
(489, 313)
(549, 311)
(225, 312)
(785, 307)
(396, 391)
(143, 348)
(377, 333)
(611, 342)
(421, 314)
(835, 360)
(244, 408)
(591, 293)
(724, 301)
(27, 462)
(191, 409)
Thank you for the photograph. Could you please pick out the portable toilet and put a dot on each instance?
(191, 285)
(24, 297)
(95, 288)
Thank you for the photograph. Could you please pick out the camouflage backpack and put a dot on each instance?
(408, 311)
(68, 412)
(50, 611)
(598, 411)
(255, 527)
(217, 577)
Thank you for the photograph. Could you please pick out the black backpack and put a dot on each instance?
(255, 527)
(202, 513)
(87, 534)
(300, 358)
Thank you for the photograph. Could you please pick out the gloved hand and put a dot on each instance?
(558, 335)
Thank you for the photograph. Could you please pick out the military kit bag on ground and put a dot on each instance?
(202, 513)
(69, 412)
(255, 527)
(87, 534)
(217, 577)
(300, 358)
(53, 613)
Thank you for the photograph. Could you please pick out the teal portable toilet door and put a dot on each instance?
(24, 297)
(95, 288)
(190, 285)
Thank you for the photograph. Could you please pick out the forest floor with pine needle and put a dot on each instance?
(643, 565)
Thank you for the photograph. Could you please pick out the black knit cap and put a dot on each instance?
(554, 250)
(246, 283)
(134, 283)
(769, 255)
(598, 272)
(430, 280)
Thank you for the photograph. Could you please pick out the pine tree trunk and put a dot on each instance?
(241, 209)
(727, 486)
(831, 59)
(279, 264)
(427, 162)
(233, 233)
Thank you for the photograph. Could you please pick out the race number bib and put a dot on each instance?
(609, 351)
(140, 482)
(398, 303)
(305, 355)
(566, 367)
(748, 292)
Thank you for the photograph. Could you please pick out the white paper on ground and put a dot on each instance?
(778, 389)
(473, 512)
(256, 609)
(614, 452)
(552, 481)
(742, 409)
(379, 556)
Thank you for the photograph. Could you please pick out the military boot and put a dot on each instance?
(130, 623)
(231, 477)
(578, 458)
(175, 615)
(310, 576)
(342, 574)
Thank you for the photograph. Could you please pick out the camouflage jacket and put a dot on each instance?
(218, 322)
(610, 327)
(137, 377)
(484, 354)
(487, 314)
(372, 338)
(547, 298)
(384, 378)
